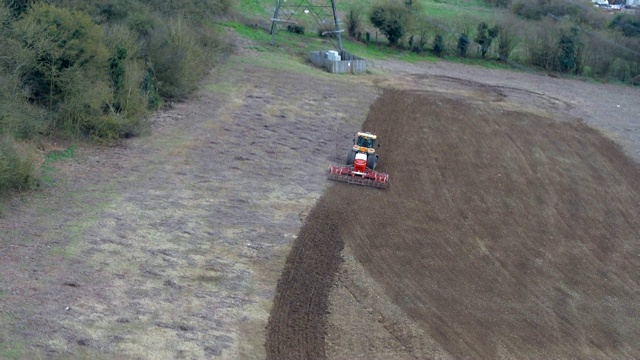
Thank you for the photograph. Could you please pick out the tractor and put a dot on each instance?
(361, 162)
(364, 143)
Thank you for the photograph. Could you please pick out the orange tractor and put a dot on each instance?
(361, 162)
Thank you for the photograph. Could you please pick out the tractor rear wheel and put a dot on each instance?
(351, 157)
(372, 161)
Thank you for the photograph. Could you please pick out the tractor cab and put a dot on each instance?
(364, 142)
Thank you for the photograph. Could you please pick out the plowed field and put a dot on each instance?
(505, 233)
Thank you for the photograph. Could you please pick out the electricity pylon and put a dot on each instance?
(288, 12)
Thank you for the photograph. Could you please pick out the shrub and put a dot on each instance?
(113, 11)
(627, 24)
(421, 27)
(16, 170)
(5, 18)
(144, 22)
(391, 19)
(18, 7)
(541, 46)
(126, 72)
(354, 22)
(295, 28)
(507, 41)
(621, 70)
(568, 49)
(132, 101)
(438, 46)
(18, 118)
(611, 56)
(61, 40)
(85, 100)
(499, 3)
(463, 44)
(179, 57)
(580, 12)
(527, 10)
(485, 37)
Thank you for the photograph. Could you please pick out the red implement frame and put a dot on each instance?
(369, 177)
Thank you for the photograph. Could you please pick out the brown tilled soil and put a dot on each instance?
(504, 234)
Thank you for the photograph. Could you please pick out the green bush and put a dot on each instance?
(144, 21)
(5, 18)
(85, 100)
(295, 28)
(438, 46)
(69, 74)
(18, 118)
(391, 18)
(499, 3)
(354, 20)
(485, 36)
(568, 50)
(535, 10)
(61, 40)
(506, 42)
(621, 70)
(127, 73)
(541, 46)
(17, 7)
(463, 44)
(178, 62)
(599, 54)
(627, 24)
(115, 11)
(131, 100)
(421, 27)
(16, 170)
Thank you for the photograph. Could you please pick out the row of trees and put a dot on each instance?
(570, 37)
(94, 68)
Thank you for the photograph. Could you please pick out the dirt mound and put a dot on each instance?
(503, 234)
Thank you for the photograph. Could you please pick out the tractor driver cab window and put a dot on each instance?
(366, 142)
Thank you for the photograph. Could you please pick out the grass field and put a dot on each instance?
(445, 16)
(445, 9)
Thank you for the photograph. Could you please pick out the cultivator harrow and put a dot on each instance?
(367, 177)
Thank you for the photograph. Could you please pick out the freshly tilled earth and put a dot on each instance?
(504, 234)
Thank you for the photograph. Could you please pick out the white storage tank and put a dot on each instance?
(333, 55)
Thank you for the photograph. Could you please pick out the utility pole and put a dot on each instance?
(335, 19)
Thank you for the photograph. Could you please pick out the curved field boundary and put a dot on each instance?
(297, 324)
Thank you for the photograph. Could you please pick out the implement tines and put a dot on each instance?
(348, 175)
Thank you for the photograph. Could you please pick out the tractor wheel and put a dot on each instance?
(351, 157)
(372, 161)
